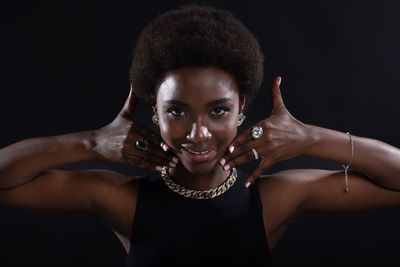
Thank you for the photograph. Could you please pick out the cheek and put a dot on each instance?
(227, 130)
(171, 132)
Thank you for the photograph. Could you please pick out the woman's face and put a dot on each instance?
(198, 109)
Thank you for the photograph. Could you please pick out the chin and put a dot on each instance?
(200, 167)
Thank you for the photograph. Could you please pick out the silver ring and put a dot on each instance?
(141, 144)
(256, 132)
(255, 153)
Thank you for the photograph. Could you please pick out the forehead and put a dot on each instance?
(197, 85)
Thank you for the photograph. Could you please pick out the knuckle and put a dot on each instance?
(228, 157)
(241, 149)
(269, 135)
(249, 155)
(236, 143)
(232, 163)
(151, 149)
(256, 174)
(267, 125)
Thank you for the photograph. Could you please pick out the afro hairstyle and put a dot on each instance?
(193, 36)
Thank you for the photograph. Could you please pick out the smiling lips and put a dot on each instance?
(199, 155)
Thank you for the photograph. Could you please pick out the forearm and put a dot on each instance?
(378, 160)
(24, 160)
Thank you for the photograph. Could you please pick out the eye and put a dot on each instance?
(219, 111)
(177, 112)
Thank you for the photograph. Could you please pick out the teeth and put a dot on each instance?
(197, 153)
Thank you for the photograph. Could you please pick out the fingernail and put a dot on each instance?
(279, 80)
(172, 164)
(222, 162)
(231, 148)
(247, 184)
(227, 167)
(175, 159)
(159, 168)
(165, 147)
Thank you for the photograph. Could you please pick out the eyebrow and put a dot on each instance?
(212, 103)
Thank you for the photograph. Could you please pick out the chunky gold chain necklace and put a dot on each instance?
(198, 194)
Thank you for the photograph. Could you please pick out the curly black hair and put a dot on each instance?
(195, 36)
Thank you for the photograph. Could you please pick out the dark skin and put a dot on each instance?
(199, 125)
(198, 111)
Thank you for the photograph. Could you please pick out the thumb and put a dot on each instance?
(276, 97)
(129, 107)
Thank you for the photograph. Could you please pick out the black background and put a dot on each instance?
(64, 68)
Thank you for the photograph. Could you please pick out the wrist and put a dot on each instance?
(88, 142)
(314, 139)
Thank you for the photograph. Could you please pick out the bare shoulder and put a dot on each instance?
(281, 196)
(114, 198)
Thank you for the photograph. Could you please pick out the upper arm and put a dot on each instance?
(324, 193)
(311, 192)
(100, 194)
(289, 195)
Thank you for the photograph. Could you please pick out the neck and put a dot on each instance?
(199, 181)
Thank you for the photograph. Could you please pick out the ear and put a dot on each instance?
(242, 103)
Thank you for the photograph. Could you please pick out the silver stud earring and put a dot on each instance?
(155, 119)
(241, 118)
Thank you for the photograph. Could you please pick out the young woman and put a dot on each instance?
(199, 67)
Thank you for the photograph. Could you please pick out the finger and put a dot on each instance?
(157, 151)
(243, 158)
(138, 162)
(264, 165)
(243, 139)
(147, 133)
(242, 151)
(240, 139)
(164, 146)
(129, 107)
(142, 156)
(242, 154)
(276, 97)
(130, 148)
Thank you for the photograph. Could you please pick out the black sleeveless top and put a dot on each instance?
(172, 230)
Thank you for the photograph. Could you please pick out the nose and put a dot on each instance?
(198, 133)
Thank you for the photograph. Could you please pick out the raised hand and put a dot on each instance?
(127, 141)
(283, 138)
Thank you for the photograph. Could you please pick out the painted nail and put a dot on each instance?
(159, 168)
(231, 148)
(279, 80)
(247, 184)
(165, 147)
(172, 164)
(227, 167)
(222, 162)
(175, 159)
